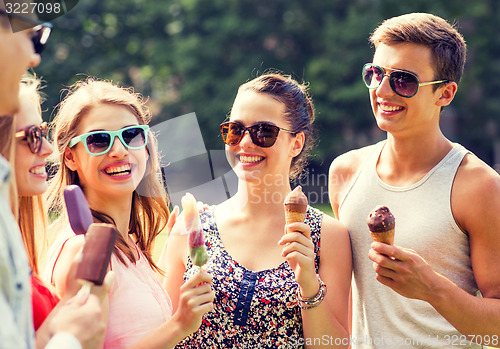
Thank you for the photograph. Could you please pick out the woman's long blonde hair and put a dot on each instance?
(31, 213)
(150, 212)
(7, 150)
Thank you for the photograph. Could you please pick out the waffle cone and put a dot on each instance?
(384, 236)
(294, 216)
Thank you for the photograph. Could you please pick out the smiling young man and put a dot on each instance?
(421, 292)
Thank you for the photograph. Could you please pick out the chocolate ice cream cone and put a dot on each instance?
(295, 206)
(382, 225)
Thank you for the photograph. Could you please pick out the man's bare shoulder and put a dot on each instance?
(342, 171)
(348, 164)
(476, 176)
(476, 192)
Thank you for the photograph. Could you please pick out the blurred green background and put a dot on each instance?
(191, 56)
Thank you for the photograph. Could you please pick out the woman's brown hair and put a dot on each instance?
(299, 109)
(149, 214)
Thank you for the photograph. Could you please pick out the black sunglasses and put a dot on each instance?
(34, 135)
(40, 31)
(403, 83)
(263, 134)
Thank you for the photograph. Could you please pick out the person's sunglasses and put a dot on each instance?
(34, 136)
(403, 83)
(100, 142)
(263, 134)
(40, 31)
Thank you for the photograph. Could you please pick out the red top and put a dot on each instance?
(44, 300)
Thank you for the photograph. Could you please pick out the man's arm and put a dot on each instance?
(9, 333)
(79, 321)
(476, 208)
(14, 281)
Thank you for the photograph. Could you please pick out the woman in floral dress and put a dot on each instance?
(273, 290)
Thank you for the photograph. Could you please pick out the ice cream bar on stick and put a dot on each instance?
(99, 243)
(192, 222)
(79, 215)
(295, 206)
(382, 225)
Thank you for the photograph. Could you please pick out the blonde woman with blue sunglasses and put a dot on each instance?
(105, 146)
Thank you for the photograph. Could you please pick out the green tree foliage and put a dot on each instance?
(191, 56)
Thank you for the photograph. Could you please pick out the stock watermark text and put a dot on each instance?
(381, 341)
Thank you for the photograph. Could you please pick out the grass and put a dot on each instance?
(159, 243)
(325, 208)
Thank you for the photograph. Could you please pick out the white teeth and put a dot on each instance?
(38, 170)
(389, 107)
(116, 170)
(250, 159)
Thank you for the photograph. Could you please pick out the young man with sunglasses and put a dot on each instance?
(420, 292)
(77, 321)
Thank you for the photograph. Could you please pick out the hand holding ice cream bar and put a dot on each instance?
(197, 250)
(382, 225)
(79, 214)
(99, 243)
(295, 206)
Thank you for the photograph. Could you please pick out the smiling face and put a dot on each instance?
(396, 114)
(31, 177)
(116, 173)
(251, 162)
(17, 54)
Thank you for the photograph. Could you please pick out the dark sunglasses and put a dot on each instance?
(100, 142)
(404, 84)
(34, 135)
(263, 134)
(40, 32)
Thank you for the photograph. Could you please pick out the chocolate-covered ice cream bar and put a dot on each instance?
(79, 214)
(99, 243)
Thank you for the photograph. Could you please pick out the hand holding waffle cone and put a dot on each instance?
(382, 225)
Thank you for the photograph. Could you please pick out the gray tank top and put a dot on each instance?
(424, 222)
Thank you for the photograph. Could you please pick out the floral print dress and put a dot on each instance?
(251, 309)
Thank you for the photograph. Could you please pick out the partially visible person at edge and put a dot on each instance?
(78, 322)
(444, 199)
(273, 290)
(104, 145)
(31, 151)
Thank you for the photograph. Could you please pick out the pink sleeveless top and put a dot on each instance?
(138, 303)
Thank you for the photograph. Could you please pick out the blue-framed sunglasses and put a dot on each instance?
(100, 142)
